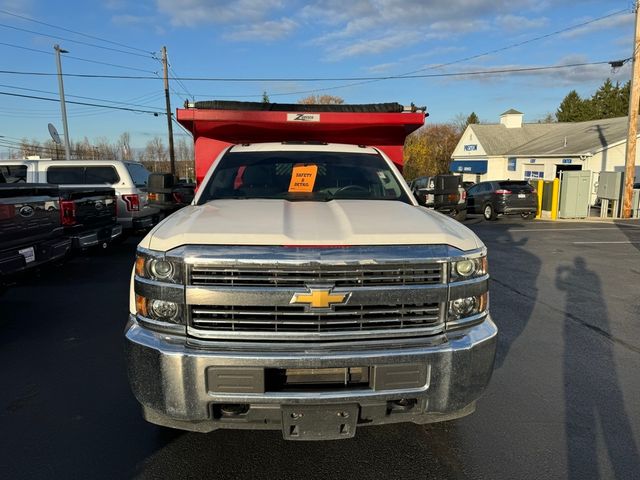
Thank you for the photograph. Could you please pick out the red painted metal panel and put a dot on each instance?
(214, 130)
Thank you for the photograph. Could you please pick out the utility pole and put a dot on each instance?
(172, 156)
(63, 106)
(632, 136)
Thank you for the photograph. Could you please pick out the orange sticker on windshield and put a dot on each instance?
(303, 178)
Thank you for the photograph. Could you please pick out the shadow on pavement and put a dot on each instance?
(514, 274)
(595, 410)
(403, 451)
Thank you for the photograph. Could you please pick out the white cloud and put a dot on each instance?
(618, 21)
(128, 19)
(266, 31)
(514, 23)
(21, 7)
(368, 46)
(566, 76)
(115, 4)
(195, 12)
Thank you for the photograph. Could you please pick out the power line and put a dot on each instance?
(75, 96)
(320, 79)
(11, 94)
(74, 41)
(519, 44)
(468, 58)
(93, 37)
(77, 58)
(174, 76)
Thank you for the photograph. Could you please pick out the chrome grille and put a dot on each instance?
(339, 276)
(293, 318)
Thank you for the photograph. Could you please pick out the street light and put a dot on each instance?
(63, 107)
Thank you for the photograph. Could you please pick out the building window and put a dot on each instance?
(533, 175)
(511, 164)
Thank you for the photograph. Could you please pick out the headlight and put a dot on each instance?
(163, 310)
(463, 307)
(160, 310)
(161, 269)
(468, 307)
(154, 266)
(468, 268)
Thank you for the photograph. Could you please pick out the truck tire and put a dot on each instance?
(459, 215)
(489, 213)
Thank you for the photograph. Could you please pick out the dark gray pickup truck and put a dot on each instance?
(89, 215)
(31, 231)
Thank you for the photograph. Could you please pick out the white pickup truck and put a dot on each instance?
(306, 290)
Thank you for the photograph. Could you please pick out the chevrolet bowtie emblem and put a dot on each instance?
(320, 298)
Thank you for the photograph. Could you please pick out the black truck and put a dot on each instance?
(40, 223)
(31, 230)
(444, 193)
(169, 194)
(89, 216)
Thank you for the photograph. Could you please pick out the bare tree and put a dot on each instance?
(104, 149)
(321, 100)
(124, 146)
(29, 148)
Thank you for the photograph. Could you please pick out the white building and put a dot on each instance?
(515, 150)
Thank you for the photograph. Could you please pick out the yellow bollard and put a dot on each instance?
(554, 199)
(540, 189)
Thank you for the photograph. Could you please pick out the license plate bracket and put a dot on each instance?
(319, 422)
(29, 254)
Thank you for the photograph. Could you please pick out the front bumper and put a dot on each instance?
(96, 237)
(423, 380)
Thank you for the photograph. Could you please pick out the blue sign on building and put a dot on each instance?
(566, 160)
(470, 148)
(469, 166)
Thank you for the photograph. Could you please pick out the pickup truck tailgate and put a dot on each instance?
(28, 211)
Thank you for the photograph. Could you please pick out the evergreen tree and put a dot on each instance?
(473, 118)
(609, 100)
(571, 109)
(265, 97)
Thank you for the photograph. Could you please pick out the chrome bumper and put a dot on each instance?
(178, 383)
(96, 237)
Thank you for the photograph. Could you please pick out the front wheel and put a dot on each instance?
(459, 215)
(489, 213)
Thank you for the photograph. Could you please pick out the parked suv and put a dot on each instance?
(503, 197)
(128, 179)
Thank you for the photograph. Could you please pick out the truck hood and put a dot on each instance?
(281, 222)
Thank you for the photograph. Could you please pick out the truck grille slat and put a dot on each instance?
(340, 277)
(295, 319)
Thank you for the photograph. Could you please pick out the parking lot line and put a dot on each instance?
(624, 242)
(567, 229)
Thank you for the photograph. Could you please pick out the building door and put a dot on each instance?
(575, 190)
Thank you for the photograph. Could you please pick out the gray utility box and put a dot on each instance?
(575, 188)
(610, 185)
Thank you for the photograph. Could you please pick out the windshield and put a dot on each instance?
(300, 175)
(139, 174)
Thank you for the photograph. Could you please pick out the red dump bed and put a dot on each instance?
(217, 124)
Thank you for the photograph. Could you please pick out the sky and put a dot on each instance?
(289, 40)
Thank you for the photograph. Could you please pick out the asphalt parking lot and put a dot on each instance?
(564, 401)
